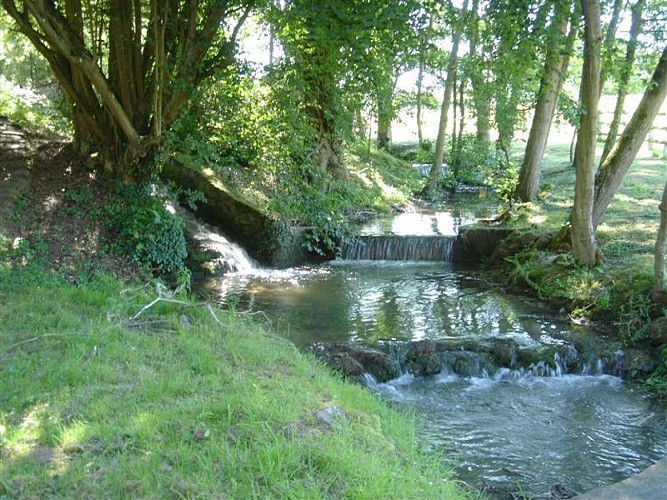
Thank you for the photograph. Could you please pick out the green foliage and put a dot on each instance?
(36, 116)
(248, 132)
(568, 109)
(657, 382)
(504, 181)
(473, 162)
(560, 279)
(20, 62)
(78, 200)
(630, 297)
(142, 228)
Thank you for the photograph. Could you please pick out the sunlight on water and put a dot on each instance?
(507, 430)
(419, 224)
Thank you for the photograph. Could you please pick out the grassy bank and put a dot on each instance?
(183, 401)
(619, 290)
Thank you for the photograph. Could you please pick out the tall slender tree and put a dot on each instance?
(515, 39)
(660, 251)
(624, 77)
(480, 87)
(617, 163)
(583, 234)
(341, 49)
(434, 174)
(555, 67)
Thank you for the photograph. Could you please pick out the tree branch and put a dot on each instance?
(67, 44)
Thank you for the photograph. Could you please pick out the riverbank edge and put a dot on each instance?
(651, 483)
(108, 393)
(521, 262)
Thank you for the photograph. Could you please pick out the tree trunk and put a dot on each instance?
(113, 106)
(583, 234)
(624, 78)
(455, 114)
(434, 174)
(385, 109)
(547, 98)
(457, 149)
(420, 90)
(620, 158)
(420, 81)
(480, 99)
(660, 250)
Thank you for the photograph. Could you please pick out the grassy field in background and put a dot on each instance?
(619, 290)
(629, 227)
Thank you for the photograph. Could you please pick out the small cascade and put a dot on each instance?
(391, 247)
(499, 359)
(229, 256)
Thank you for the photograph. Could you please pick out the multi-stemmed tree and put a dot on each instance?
(128, 67)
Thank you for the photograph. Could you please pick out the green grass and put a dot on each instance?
(177, 404)
(628, 228)
(35, 117)
(380, 180)
(619, 289)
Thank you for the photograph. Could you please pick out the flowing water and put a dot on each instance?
(504, 428)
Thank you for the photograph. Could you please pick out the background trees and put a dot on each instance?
(148, 76)
(345, 55)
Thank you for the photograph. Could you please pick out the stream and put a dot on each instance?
(503, 429)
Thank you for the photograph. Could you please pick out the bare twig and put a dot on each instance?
(140, 324)
(210, 309)
(39, 337)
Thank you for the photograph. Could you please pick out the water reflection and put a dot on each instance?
(529, 433)
(373, 301)
(428, 223)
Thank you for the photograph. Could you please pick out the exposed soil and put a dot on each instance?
(38, 212)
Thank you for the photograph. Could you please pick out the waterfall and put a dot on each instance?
(392, 247)
(229, 256)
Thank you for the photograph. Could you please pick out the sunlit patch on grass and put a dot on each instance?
(72, 434)
(537, 218)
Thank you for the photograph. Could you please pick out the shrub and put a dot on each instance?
(142, 228)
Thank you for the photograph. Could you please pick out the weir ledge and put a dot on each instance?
(476, 243)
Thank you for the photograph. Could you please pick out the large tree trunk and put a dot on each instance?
(620, 158)
(583, 234)
(434, 174)
(555, 67)
(624, 78)
(322, 99)
(113, 107)
(660, 250)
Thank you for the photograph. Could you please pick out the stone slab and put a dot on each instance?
(651, 484)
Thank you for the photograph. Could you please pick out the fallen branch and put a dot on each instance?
(33, 339)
